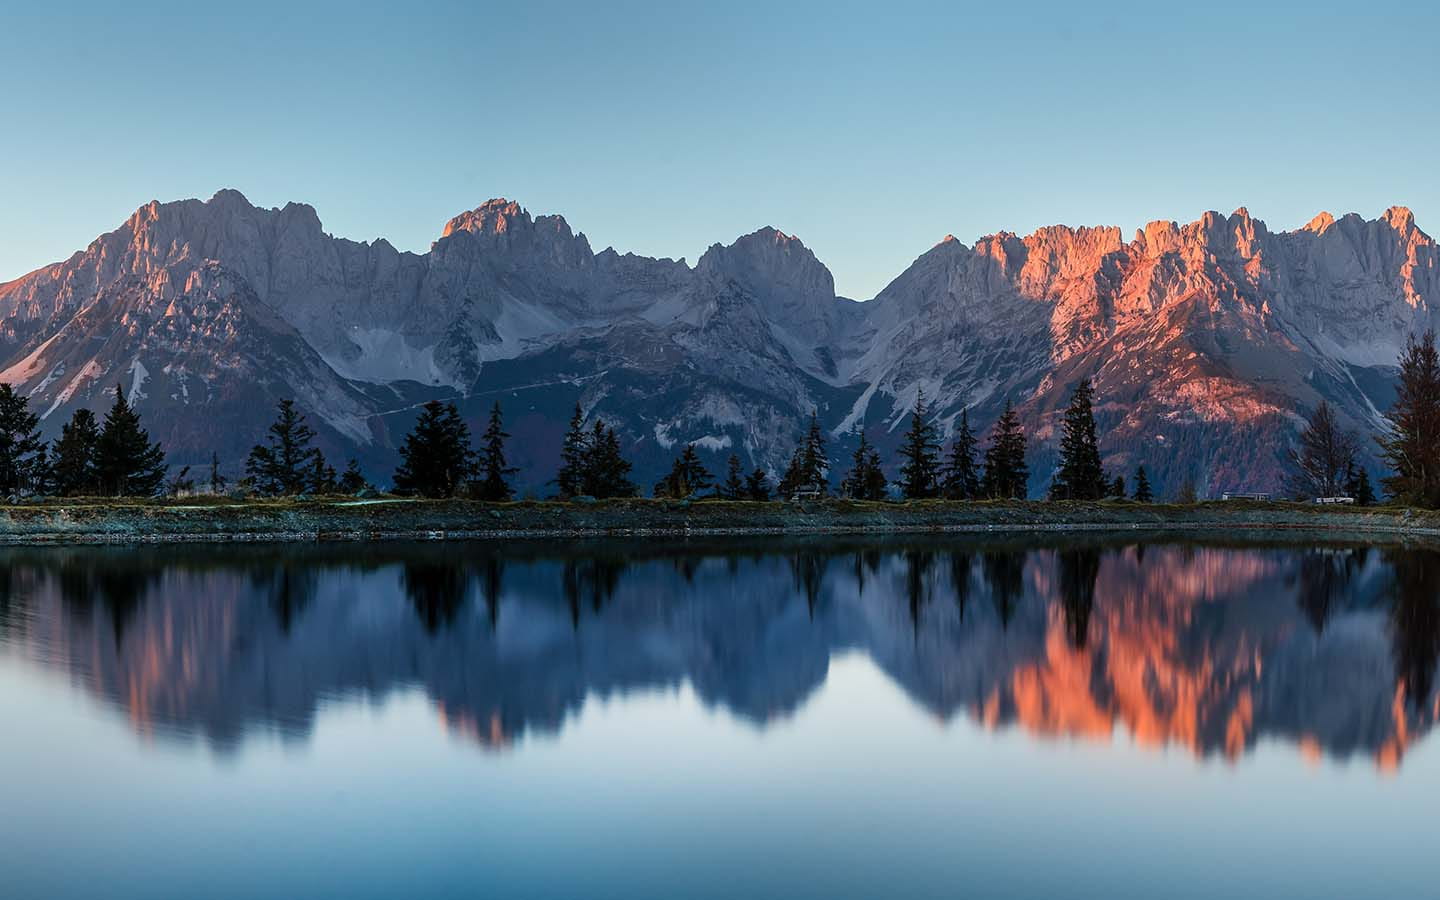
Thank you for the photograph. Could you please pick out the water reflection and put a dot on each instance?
(1207, 648)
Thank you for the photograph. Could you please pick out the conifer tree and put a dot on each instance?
(1117, 487)
(19, 441)
(352, 481)
(42, 473)
(757, 486)
(73, 459)
(436, 459)
(1357, 485)
(570, 479)
(320, 475)
(1080, 475)
(494, 486)
(920, 455)
(606, 471)
(961, 481)
(1412, 447)
(866, 480)
(1143, 492)
(127, 463)
(1007, 475)
(734, 486)
(285, 464)
(217, 479)
(688, 476)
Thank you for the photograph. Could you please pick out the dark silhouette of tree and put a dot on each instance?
(1357, 485)
(594, 579)
(1079, 570)
(865, 481)
(1323, 579)
(436, 459)
(1412, 446)
(918, 564)
(960, 565)
(688, 476)
(19, 441)
(1080, 475)
(961, 478)
(1004, 573)
(1143, 493)
(757, 486)
(1117, 487)
(127, 463)
(218, 481)
(436, 591)
(320, 475)
(1415, 621)
(734, 486)
(920, 455)
(494, 486)
(606, 472)
(285, 463)
(73, 466)
(574, 452)
(1007, 475)
(351, 480)
(807, 568)
(1322, 458)
(492, 577)
(809, 468)
(288, 590)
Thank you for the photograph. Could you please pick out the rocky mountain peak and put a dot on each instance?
(770, 264)
(1320, 224)
(495, 216)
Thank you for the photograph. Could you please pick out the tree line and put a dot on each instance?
(115, 457)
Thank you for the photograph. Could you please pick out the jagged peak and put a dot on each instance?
(1321, 223)
(1399, 218)
(494, 216)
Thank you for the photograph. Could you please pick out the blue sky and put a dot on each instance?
(869, 130)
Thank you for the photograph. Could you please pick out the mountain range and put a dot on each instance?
(1208, 342)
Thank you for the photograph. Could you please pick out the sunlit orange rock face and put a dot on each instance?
(1205, 650)
(1194, 652)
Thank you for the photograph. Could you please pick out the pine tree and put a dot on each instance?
(217, 480)
(1325, 455)
(127, 464)
(351, 480)
(1117, 487)
(1357, 485)
(1143, 493)
(19, 441)
(920, 452)
(286, 464)
(606, 471)
(1080, 475)
(961, 481)
(180, 483)
(494, 470)
(73, 459)
(1412, 447)
(42, 473)
(320, 475)
(734, 486)
(436, 459)
(688, 476)
(1007, 475)
(757, 486)
(866, 480)
(573, 453)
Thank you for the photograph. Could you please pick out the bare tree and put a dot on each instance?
(1322, 458)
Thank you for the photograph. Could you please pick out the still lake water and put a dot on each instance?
(781, 718)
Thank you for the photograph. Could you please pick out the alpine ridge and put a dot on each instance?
(1207, 341)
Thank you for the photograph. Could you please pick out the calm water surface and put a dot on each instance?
(775, 719)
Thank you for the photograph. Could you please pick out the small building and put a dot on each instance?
(1349, 501)
(1243, 495)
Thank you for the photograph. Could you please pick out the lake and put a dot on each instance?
(926, 717)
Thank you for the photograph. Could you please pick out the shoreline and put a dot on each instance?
(346, 520)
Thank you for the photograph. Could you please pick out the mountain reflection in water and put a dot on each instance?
(1208, 648)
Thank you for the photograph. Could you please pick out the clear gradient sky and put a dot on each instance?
(870, 130)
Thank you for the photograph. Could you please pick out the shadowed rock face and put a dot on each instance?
(1206, 340)
(1200, 648)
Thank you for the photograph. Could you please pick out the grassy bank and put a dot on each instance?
(337, 519)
